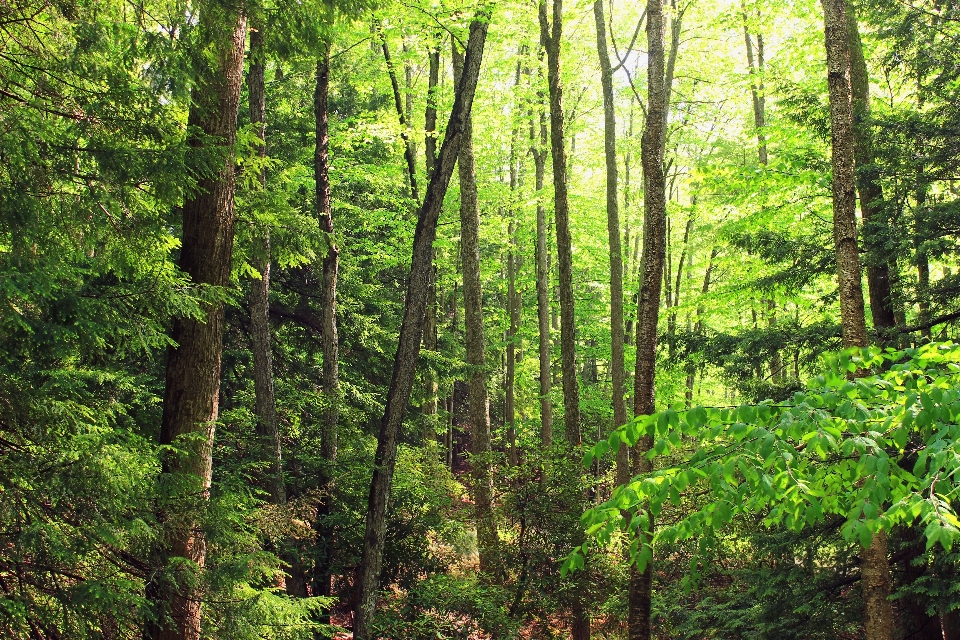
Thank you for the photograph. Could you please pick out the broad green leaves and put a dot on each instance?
(877, 451)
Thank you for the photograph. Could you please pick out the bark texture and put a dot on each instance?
(551, 37)
(551, 33)
(430, 319)
(868, 184)
(538, 149)
(190, 402)
(875, 569)
(265, 408)
(330, 380)
(654, 255)
(475, 347)
(411, 331)
(617, 362)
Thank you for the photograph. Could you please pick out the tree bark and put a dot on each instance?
(191, 394)
(551, 39)
(265, 408)
(479, 396)
(868, 184)
(514, 303)
(538, 149)
(617, 362)
(430, 319)
(648, 315)
(411, 330)
(330, 380)
(875, 570)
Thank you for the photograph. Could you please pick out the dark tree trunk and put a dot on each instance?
(330, 381)
(875, 570)
(538, 149)
(430, 319)
(479, 396)
(190, 401)
(551, 38)
(868, 185)
(514, 303)
(411, 331)
(648, 315)
(265, 408)
(617, 362)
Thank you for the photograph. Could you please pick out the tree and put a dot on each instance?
(190, 401)
(411, 330)
(479, 397)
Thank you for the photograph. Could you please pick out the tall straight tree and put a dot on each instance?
(874, 568)
(191, 394)
(648, 313)
(479, 395)
(538, 149)
(265, 408)
(617, 364)
(430, 318)
(756, 65)
(330, 373)
(868, 183)
(551, 33)
(411, 329)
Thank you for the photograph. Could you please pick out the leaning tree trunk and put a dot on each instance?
(479, 396)
(648, 314)
(265, 408)
(617, 363)
(190, 401)
(550, 38)
(875, 569)
(411, 331)
(330, 374)
(868, 185)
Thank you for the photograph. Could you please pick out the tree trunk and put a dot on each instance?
(875, 570)
(868, 185)
(648, 315)
(551, 39)
(479, 397)
(190, 401)
(617, 362)
(330, 382)
(430, 319)
(265, 408)
(538, 148)
(411, 330)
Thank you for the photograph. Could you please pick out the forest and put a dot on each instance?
(479, 319)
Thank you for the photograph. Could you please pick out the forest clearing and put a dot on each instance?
(410, 320)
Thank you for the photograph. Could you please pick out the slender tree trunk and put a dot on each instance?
(538, 149)
(265, 408)
(430, 320)
(654, 250)
(617, 362)
(190, 401)
(411, 330)
(330, 382)
(868, 185)
(409, 152)
(551, 39)
(479, 404)
(875, 570)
